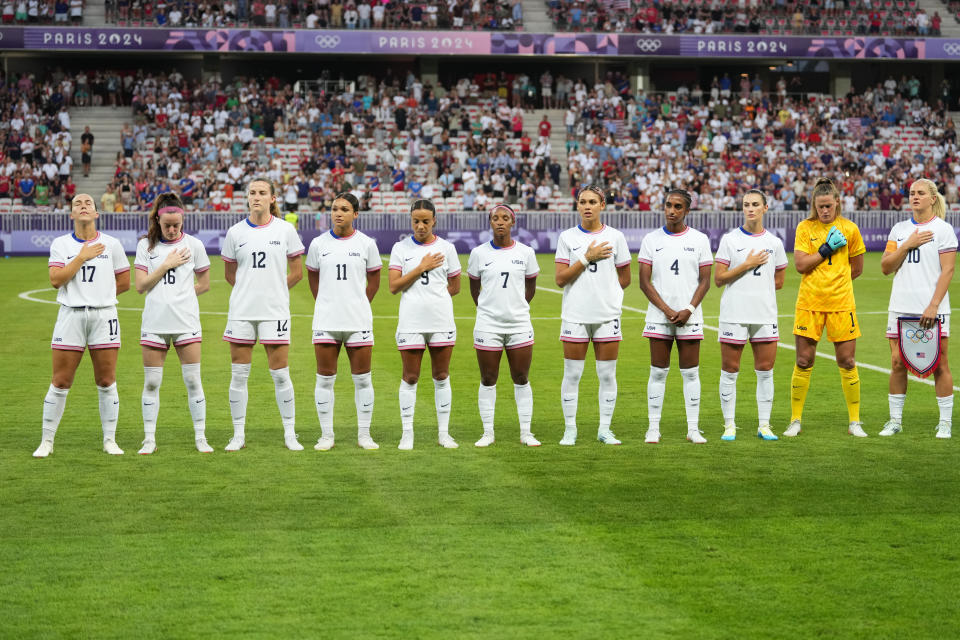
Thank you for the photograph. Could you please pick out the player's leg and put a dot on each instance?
(153, 359)
(189, 355)
(489, 362)
(360, 362)
(574, 354)
(850, 382)
(764, 357)
(410, 360)
(105, 375)
(657, 385)
(519, 359)
(897, 391)
(606, 354)
(65, 363)
(688, 356)
(323, 394)
(442, 393)
(277, 357)
(943, 382)
(800, 381)
(730, 355)
(242, 337)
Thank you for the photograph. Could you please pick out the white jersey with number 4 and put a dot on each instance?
(503, 271)
(596, 296)
(751, 298)
(426, 306)
(342, 265)
(916, 279)
(95, 284)
(261, 253)
(675, 260)
(171, 306)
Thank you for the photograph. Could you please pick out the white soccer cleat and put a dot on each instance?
(109, 446)
(652, 437)
(149, 447)
(891, 428)
(485, 440)
(765, 432)
(366, 442)
(944, 430)
(528, 440)
(696, 436)
(203, 446)
(856, 429)
(45, 449)
(325, 443)
(235, 444)
(793, 430)
(445, 441)
(606, 437)
(569, 437)
(729, 432)
(406, 441)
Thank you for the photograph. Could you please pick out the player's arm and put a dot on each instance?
(373, 284)
(294, 270)
(230, 272)
(147, 281)
(202, 282)
(399, 282)
(123, 280)
(531, 288)
(623, 275)
(313, 279)
(646, 285)
(856, 266)
(568, 273)
(60, 276)
(779, 277)
(948, 260)
(806, 262)
(726, 275)
(893, 256)
(475, 290)
(453, 284)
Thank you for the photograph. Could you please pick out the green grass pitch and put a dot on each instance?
(821, 536)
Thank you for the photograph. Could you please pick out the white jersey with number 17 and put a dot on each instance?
(95, 284)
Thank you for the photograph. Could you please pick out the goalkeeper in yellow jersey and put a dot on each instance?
(828, 252)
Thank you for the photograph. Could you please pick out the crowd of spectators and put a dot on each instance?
(31, 12)
(320, 14)
(35, 140)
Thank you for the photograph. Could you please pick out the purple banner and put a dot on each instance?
(475, 43)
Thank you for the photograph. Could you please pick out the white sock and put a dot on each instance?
(728, 396)
(656, 387)
(238, 397)
(487, 402)
(283, 390)
(408, 402)
(109, 410)
(607, 395)
(570, 391)
(363, 399)
(523, 395)
(442, 395)
(323, 397)
(946, 408)
(764, 395)
(691, 396)
(195, 398)
(150, 400)
(896, 402)
(53, 405)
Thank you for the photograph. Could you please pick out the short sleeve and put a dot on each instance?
(140, 262)
(780, 256)
(856, 245)
(705, 258)
(201, 262)
(373, 256)
(723, 251)
(563, 251)
(57, 257)
(396, 260)
(119, 257)
(294, 243)
(453, 261)
(473, 264)
(802, 240)
(947, 241)
(621, 252)
(313, 262)
(228, 251)
(644, 255)
(533, 267)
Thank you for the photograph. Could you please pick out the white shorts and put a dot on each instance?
(892, 324)
(600, 332)
(407, 341)
(163, 340)
(689, 331)
(350, 338)
(249, 331)
(737, 333)
(486, 341)
(80, 327)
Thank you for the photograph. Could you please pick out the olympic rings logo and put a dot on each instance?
(919, 335)
(326, 42)
(952, 48)
(648, 46)
(41, 241)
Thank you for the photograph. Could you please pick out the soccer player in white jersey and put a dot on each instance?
(921, 252)
(88, 269)
(503, 279)
(343, 269)
(172, 270)
(675, 262)
(262, 263)
(425, 270)
(751, 264)
(593, 268)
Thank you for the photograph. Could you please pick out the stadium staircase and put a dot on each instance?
(558, 139)
(535, 18)
(948, 26)
(94, 15)
(105, 124)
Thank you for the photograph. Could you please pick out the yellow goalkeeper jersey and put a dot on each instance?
(829, 286)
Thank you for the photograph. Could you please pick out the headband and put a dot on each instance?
(504, 206)
(170, 209)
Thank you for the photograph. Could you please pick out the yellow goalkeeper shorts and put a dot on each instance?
(841, 325)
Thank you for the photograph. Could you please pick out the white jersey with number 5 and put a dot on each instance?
(675, 261)
(916, 279)
(342, 265)
(596, 296)
(503, 271)
(261, 253)
(426, 306)
(171, 306)
(752, 298)
(95, 284)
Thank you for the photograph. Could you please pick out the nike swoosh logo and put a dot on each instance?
(195, 333)
(488, 264)
(725, 395)
(739, 250)
(198, 401)
(116, 402)
(71, 257)
(48, 402)
(444, 405)
(899, 239)
(368, 404)
(660, 249)
(324, 255)
(405, 408)
(320, 404)
(286, 401)
(407, 259)
(234, 401)
(575, 249)
(148, 404)
(240, 245)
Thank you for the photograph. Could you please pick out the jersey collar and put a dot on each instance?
(503, 248)
(752, 235)
(342, 237)
(260, 226)
(675, 234)
(173, 241)
(425, 244)
(592, 233)
(74, 234)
